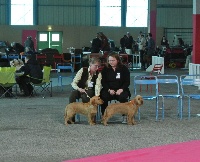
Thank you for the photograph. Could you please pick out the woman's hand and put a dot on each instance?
(119, 91)
(112, 92)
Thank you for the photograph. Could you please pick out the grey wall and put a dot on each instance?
(77, 19)
(176, 17)
(72, 36)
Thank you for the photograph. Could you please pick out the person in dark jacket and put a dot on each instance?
(123, 43)
(164, 42)
(17, 47)
(129, 43)
(96, 44)
(29, 43)
(115, 81)
(32, 73)
(150, 50)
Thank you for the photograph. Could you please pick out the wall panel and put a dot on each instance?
(72, 13)
(3, 12)
(175, 16)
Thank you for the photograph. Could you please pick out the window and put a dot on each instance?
(56, 37)
(43, 37)
(21, 12)
(110, 12)
(137, 13)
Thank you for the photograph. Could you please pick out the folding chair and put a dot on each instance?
(173, 80)
(187, 83)
(7, 81)
(142, 80)
(46, 82)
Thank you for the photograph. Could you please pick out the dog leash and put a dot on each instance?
(87, 94)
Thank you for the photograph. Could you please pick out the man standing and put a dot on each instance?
(150, 49)
(123, 43)
(29, 43)
(141, 46)
(129, 43)
(96, 44)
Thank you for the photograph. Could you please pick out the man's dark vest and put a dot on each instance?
(84, 78)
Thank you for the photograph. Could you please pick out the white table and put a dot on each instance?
(135, 61)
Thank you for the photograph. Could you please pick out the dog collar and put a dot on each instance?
(132, 102)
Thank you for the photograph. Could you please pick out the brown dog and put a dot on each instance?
(89, 109)
(128, 108)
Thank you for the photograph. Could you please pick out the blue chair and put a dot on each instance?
(60, 68)
(188, 82)
(77, 60)
(140, 80)
(4, 56)
(164, 93)
(13, 56)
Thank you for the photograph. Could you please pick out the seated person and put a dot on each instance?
(87, 82)
(164, 42)
(115, 81)
(31, 73)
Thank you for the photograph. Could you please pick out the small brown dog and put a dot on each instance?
(127, 108)
(89, 109)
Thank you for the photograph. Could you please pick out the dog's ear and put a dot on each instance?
(92, 101)
(136, 100)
